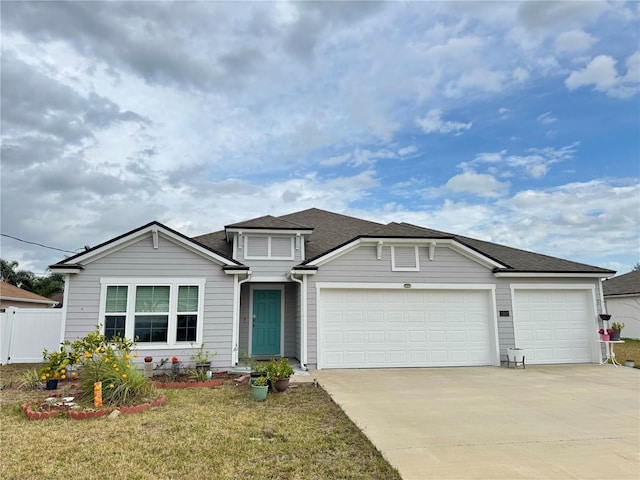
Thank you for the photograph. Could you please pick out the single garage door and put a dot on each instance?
(404, 328)
(554, 326)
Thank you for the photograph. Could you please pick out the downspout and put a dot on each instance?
(603, 305)
(303, 319)
(236, 314)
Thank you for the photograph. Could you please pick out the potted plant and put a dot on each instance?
(202, 358)
(259, 389)
(55, 367)
(515, 354)
(279, 372)
(605, 335)
(616, 327)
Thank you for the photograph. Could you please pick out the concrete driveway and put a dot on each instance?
(578, 421)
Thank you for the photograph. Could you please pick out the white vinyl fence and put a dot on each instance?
(25, 332)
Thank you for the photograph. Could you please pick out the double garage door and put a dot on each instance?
(376, 328)
(405, 328)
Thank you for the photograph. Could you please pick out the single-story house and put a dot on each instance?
(334, 291)
(622, 298)
(12, 296)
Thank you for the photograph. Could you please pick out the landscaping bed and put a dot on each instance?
(199, 433)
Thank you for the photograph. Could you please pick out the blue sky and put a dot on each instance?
(513, 122)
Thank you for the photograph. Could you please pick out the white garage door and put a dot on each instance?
(404, 328)
(554, 326)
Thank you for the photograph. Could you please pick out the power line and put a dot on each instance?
(36, 243)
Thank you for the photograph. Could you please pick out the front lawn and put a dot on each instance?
(629, 350)
(200, 433)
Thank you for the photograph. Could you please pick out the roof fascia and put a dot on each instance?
(621, 295)
(136, 235)
(452, 243)
(66, 268)
(292, 231)
(28, 300)
(551, 274)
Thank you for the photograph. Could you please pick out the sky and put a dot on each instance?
(512, 122)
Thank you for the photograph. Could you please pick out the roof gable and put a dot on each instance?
(77, 261)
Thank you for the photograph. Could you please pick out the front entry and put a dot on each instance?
(267, 315)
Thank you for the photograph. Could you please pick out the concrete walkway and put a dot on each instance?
(546, 422)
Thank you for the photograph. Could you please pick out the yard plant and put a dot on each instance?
(216, 433)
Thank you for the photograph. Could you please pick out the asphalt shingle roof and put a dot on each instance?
(11, 291)
(332, 230)
(627, 284)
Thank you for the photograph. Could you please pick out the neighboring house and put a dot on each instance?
(12, 296)
(334, 292)
(622, 297)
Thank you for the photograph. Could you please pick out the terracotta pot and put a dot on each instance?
(281, 385)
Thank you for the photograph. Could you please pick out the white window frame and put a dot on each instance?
(173, 284)
(394, 268)
(247, 252)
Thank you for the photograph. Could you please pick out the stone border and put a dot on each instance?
(215, 382)
(85, 414)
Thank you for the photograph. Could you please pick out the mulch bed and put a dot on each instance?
(46, 410)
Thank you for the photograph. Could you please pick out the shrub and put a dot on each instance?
(110, 362)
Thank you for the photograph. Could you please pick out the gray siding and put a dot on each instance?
(448, 266)
(270, 268)
(168, 260)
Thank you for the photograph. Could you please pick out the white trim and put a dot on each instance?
(134, 237)
(416, 286)
(489, 287)
(65, 305)
(548, 275)
(269, 256)
(28, 300)
(173, 283)
(556, 286)
(404, 269)
(451, 243)
(269, 231)
(65, 270)
(253, 288)
(283, 278)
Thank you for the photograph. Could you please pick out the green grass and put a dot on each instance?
(199, 433)
(629, 350)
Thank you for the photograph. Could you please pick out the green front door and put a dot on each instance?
(265, 338)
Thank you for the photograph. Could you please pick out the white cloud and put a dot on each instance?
(546, 118)
(535, 163)
(574, 41)
(407, 150)
(478, 184)
(521, 75)
(432, 123)
(601, 72)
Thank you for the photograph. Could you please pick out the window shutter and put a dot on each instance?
(257, 246)
(152, 299)
(405, 257)
(281, 247)
(116, 299)
(188, 298)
